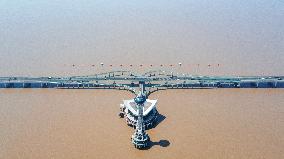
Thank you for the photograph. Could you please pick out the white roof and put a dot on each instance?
(148, 106)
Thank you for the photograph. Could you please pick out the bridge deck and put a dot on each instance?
(153, 79)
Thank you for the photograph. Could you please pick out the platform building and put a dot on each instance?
(129, 110)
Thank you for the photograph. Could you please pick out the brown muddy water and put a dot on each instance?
(214, 123)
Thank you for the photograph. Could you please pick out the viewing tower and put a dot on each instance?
(140, 138)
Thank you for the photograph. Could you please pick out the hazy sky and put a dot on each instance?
(46, 37)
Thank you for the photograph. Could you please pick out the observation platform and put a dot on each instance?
(129, 110)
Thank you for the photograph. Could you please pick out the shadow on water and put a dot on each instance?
(161, 143)
(160, 119)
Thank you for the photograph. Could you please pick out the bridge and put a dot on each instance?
(153, 81)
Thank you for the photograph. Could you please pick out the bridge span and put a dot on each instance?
(152, 81)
